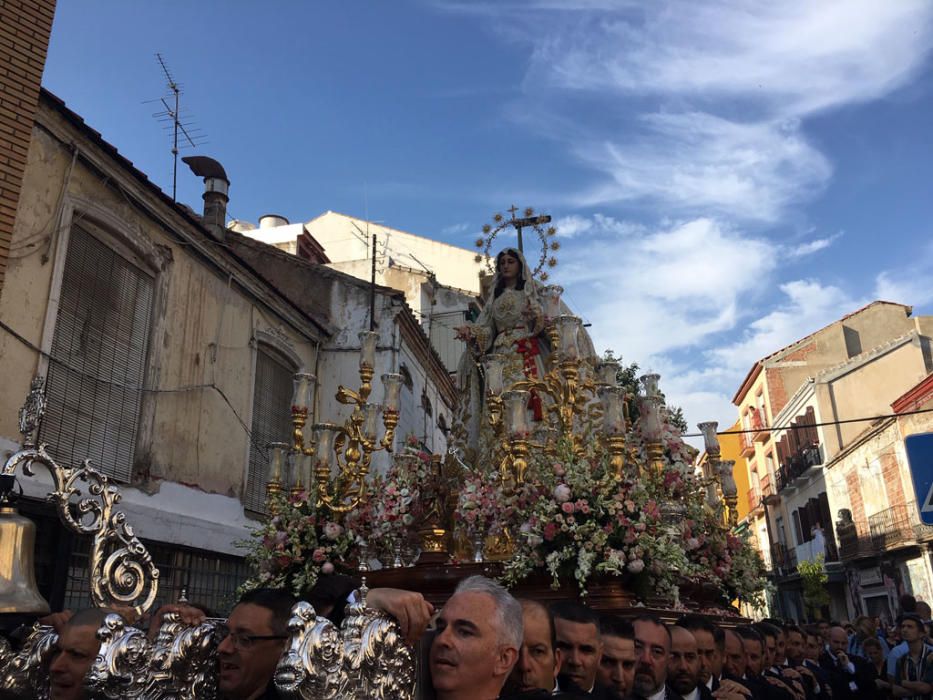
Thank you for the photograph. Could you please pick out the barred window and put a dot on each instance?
(96, 374)
(272, 397)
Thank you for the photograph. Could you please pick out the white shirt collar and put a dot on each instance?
(693, 694)
(660, 695)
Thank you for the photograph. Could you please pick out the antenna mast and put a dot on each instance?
(172, 118)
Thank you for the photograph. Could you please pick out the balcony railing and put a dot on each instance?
(754, 498)
(892, 526)
(783, 559)
(748, 445)
(797, 465)
(808, 551)
(759, 424)
(853, 545)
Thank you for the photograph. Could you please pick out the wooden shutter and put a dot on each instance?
(798, 526)
(96, 373)
(272, 395)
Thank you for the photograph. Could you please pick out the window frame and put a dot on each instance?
(125, 235)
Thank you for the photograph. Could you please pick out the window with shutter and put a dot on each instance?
(99, 348)
(272, 395)
(798, 527)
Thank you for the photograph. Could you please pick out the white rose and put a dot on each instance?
(562, 493)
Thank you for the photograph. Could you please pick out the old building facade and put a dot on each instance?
(168, 351)
(794, 406)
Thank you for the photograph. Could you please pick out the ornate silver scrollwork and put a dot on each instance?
(184, 661)
(377, 661)
(367, 660)
(122, 571)
(26, 673)
(312, 667)
(122, 664)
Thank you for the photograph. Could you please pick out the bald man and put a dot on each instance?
(684, 667)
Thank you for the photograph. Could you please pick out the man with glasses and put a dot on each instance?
(257, 630)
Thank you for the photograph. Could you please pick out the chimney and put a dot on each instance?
(216, 186)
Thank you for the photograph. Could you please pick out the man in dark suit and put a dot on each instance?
(652, 653)
(617, 664)
(534, 676)
(711, 641)
(755, 653)
(580, 646)
(850, 678)
(683, 669)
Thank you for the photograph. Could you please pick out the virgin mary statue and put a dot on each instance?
(509, 326)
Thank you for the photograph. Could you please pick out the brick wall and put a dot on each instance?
(891, 472)
(25, 26)
(858, 506)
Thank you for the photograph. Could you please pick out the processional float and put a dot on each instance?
(365, 658)
(588, 419)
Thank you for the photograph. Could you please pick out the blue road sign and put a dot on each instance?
(920, 457)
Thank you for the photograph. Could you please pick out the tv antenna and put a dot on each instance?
(173, 119)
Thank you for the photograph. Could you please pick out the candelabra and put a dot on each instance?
(333, 465)
(719, 472)
(574, 396)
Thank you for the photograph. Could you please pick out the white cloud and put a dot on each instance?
(573, 225)
(814, 246)
(734, 78)
(806, 306)
(791, 58)
(904, 288)
(666, 290)
(699, 162)
(455, 229)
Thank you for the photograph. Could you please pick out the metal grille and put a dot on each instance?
(271, 420)
(78, 587)
(98, 361)
(208, 579)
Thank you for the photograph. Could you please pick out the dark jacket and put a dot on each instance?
(859, 685)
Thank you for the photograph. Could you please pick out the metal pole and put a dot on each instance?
(372, 290)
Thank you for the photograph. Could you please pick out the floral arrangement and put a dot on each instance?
(572, 519)
(297, 545)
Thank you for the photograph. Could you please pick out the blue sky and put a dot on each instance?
(726, 176)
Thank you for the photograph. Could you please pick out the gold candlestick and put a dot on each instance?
(616, 444)
(655, 457)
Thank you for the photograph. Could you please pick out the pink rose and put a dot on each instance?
(318, 555)
(567, 507)
(636, 566)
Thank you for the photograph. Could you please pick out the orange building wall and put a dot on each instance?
(730, 448)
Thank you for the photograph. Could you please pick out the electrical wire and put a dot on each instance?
(141, 389)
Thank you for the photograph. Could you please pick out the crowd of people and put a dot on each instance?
(485, 644)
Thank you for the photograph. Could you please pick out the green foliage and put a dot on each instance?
(814, 578)
(628, 379)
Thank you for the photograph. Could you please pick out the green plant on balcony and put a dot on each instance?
(814, 578)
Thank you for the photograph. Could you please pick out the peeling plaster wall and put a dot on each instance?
(204, 329)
